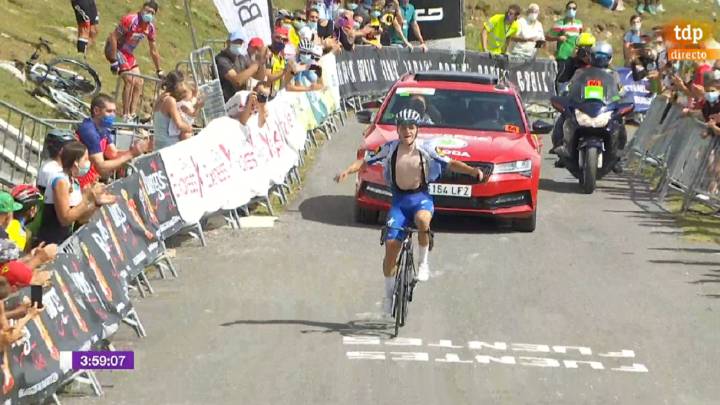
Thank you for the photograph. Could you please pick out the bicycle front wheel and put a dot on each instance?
(72, 76)
(399, 306)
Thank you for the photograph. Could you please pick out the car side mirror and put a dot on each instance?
(373, 104)
(365, 116)
(541, 127)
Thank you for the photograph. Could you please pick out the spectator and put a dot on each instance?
(498, 29)
(651, 6)
(65, 203)
(95, 133)
(390, 26)
(374, 36)
(406, 12)
(7, 207)
(188, 106)
(632, 37)
(565, 32)
(54, 141)
(306, 75)
(20, 274)
(346, 33)
(277, 64)
(530, 34)
(166, 113)
(87, 18)
(26, 221)
(325, 27)
(236, 66)
(711, 106)
(11, 334)
(327, 9)
(119, 50)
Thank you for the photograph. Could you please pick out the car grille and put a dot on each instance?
(382, 193)
(458, 178)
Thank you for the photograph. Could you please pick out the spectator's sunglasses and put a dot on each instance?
(303, 19)
(572, 8)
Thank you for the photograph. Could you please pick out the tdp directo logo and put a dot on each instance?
(691, 40)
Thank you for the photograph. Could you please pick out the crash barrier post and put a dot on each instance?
(205, 73)
(22, 137)
(148, 93)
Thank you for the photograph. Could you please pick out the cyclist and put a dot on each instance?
(409, 165)
(87, 18)
(25, 221)
(119, 50)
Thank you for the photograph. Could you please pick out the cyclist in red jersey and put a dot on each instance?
(119, 49)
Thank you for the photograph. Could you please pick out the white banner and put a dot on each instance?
(253, 15)
(227, 163)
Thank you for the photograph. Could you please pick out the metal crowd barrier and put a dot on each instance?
(681, 152)
(207, 79)
(20, 151)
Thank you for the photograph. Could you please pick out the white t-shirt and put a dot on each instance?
(532, 31)
(48, 171)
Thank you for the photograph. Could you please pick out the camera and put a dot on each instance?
(644, 62)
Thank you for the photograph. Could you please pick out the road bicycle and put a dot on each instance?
(64, 81)
(405, 277)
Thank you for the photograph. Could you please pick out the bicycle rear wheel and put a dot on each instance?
(72, 76)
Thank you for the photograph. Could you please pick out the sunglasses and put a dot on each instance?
(572, 8)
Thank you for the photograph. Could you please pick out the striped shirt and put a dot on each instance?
(571, 28)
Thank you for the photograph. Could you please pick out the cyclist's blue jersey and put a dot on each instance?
(433, 161)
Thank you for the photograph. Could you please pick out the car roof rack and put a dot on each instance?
(464, 77)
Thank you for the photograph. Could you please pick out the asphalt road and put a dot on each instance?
(603, 303)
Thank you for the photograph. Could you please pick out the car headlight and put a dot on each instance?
(585, 120)
(523, 167)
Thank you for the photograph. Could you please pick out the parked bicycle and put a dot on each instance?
(405, 277)
(65, 81)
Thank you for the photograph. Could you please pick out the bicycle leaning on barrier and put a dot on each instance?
(409, 167)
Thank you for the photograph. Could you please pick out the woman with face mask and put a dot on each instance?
(65, 204)
(530, 35)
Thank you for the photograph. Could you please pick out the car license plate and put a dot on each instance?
(452, 190)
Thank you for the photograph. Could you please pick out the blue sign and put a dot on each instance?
(636, 92)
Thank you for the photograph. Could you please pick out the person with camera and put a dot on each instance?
(632, 41)
(530, 36)
(251, 106)
(236, 65)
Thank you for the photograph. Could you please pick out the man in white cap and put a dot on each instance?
(235, 67)
(530, 35)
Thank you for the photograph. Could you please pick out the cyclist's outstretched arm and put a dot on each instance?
(355, 167)
(460, 167)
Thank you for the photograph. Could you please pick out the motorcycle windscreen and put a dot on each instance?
(594, 84)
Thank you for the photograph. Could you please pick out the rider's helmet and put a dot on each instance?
(602, 54)
(586, 39)
(306, 45)
(27, 195)
(55, 140)
(407, 116)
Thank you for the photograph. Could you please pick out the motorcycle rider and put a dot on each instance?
(611, 91)
(581, 60)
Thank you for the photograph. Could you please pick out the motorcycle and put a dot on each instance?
(591, 137)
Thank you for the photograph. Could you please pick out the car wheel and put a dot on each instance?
(525, 224)
(365, 216)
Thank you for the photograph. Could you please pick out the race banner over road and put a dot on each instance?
(253, 15)
(439, 19)
(368, 70)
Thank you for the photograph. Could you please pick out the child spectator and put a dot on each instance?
(187, 105)
(26, 221)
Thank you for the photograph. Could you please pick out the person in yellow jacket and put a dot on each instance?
(25, 220)
(498, 29)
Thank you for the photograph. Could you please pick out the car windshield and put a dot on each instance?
(462, 109)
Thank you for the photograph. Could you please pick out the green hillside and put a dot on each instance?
(23, 21)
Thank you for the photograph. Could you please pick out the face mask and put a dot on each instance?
(375, 14)
(287, 26)
(352, 6)
(637, 27)
(571, 13)
(277, 47)
(84, 169)
(237, 50)
(312, 25)
(712, 96)
(305, 59)
(108, 121)
(532, 17)
(356, 25)
(298, 25)
(147, 17)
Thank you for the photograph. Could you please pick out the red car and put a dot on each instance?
(473, 118)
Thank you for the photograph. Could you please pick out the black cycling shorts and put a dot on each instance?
(85, 12)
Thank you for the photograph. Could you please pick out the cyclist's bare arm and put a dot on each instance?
(154, 54)
(460, 167)
(113, 40)
(355, 167)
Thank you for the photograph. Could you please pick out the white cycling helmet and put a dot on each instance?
(407, 116)
(306, 46)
